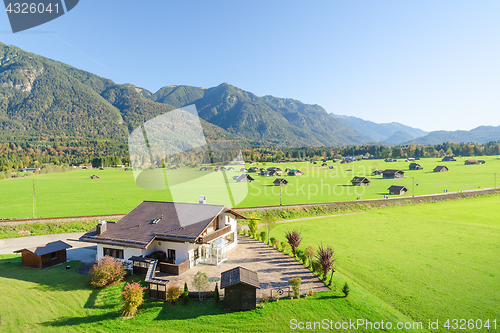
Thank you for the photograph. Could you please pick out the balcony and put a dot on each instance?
(217, 233)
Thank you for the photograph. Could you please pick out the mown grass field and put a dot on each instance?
(430, 261)
(59, 300)
(75, 194)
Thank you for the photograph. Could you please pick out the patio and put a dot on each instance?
(274, 268)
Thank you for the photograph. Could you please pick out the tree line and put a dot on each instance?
(15, 155)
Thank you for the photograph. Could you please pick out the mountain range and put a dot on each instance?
(389, 132)
(43, 98)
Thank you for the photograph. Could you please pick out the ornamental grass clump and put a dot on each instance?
(106, 272)
(295, 283)
(132, 298)
(293, 237)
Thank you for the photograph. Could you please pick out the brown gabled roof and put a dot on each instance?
(440, 167)
(397, 188)
(174, 221)
(47, 248)
(391, 172)
(239, 275)
(360, 180)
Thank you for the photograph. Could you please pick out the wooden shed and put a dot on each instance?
(280, 182)
(44, 256)
(94, 177)
(240, 288)
(440, 168)
(415, 166)
(360, 181)
(244, 178)
(397, 190)
(393, 174)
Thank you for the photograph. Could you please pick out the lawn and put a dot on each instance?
(433, 261)
(75, 194)
(40, 228)
(58, 300)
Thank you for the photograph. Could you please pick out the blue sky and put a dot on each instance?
(429, 64)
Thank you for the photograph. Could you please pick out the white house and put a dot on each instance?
(177, 235)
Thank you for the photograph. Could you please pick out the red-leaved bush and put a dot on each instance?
(173, 293)
(132, 298)
(107, 271)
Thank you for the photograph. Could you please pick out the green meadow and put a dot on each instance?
(405, 264)
(75, 194)
(434, 261)
(59, 300)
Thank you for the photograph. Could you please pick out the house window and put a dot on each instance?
(196, 254)
(115, 253)
(53, 255)
(171, 254)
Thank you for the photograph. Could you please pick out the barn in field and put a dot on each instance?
(360, 181)
(393, 174)
(240, 288)
(244, 178)
(94, 177)
(440, 168)
(295, 173)
(378, 172)
(415, 166)
(448, 159)
(44, 256)
(397, 190)
(280, 182)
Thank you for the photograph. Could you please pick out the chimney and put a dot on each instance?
(101, 227)
(202, 199)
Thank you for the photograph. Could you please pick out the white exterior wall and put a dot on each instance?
(127, 251)
(232, 221)
(181, 249)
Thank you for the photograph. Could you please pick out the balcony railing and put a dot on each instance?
(216, 234)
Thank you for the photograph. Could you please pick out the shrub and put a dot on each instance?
(263, 236)
(132, 298)
(273, 241)
(293, 237)
(346, 289)
(173, 293)
(185, 295)
(107, 271)
(264, 298)
(216, 293)
(310, 252)
(253, 225)
(316, 267)
(295, 283)
(301, 255)
(310, 292)
(284, 245)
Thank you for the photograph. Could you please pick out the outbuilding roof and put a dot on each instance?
(47, 248)
(239, 275)
(396, 188)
